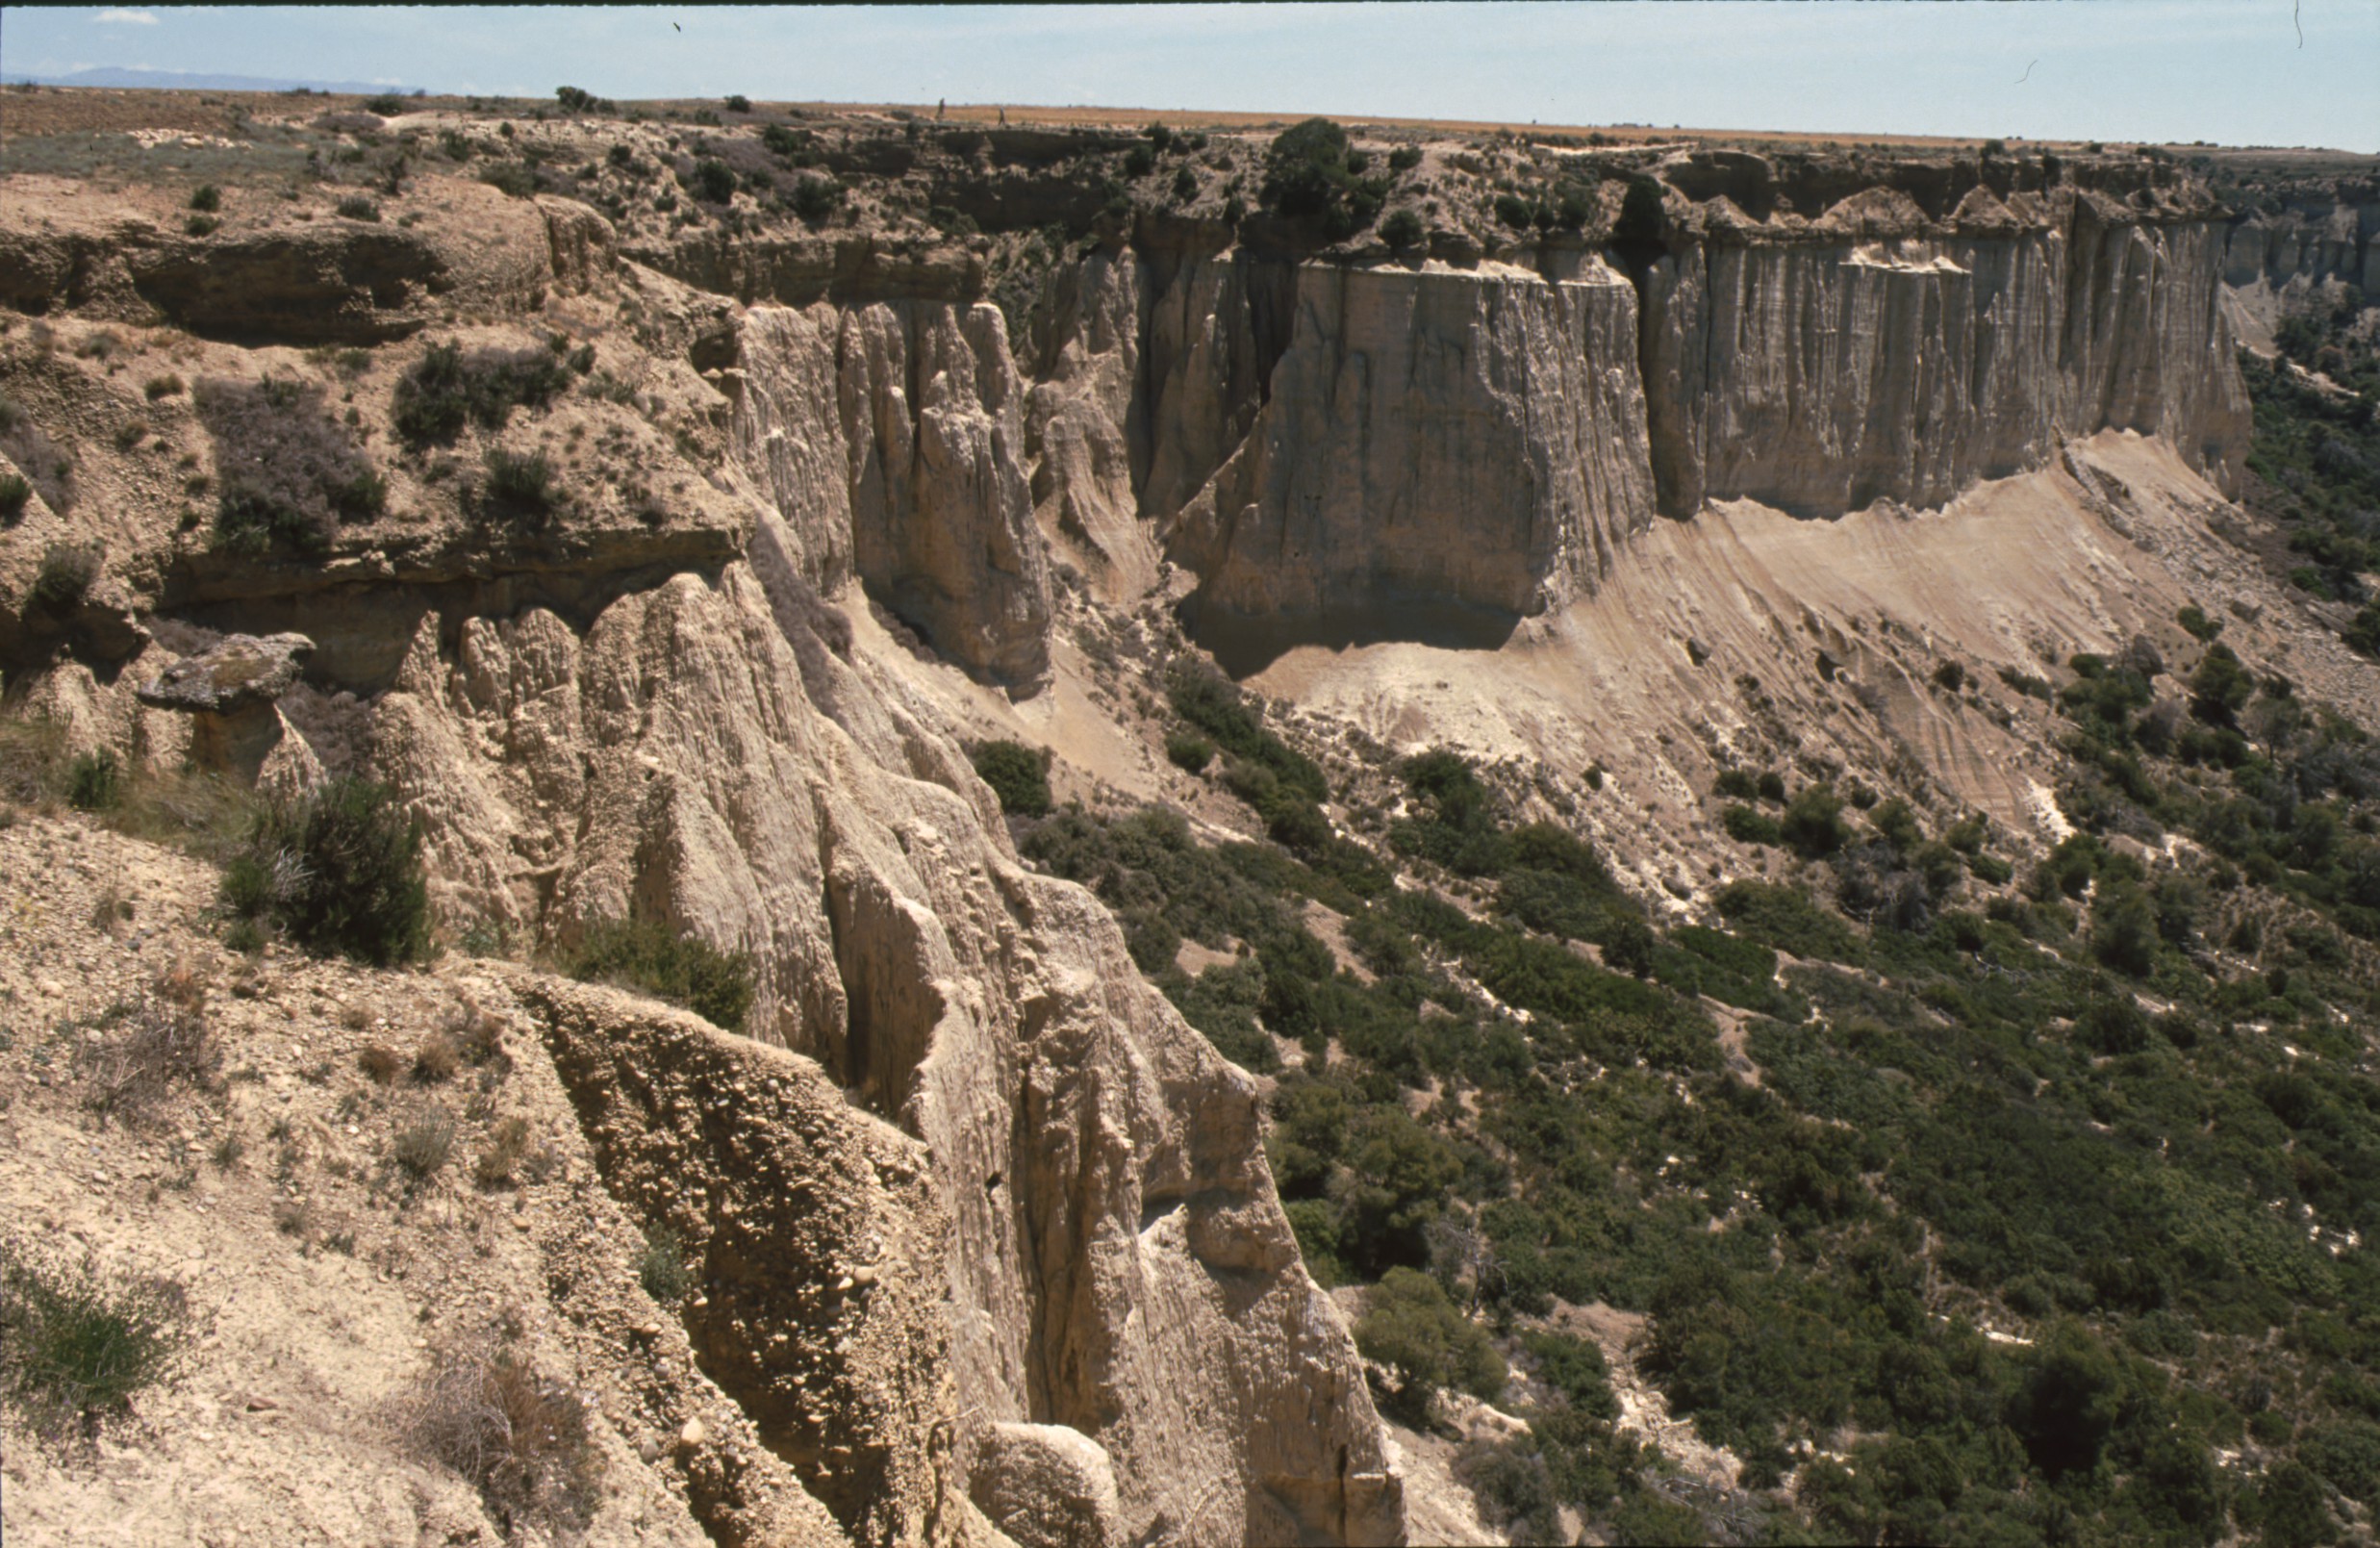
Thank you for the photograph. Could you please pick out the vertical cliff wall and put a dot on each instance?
(892, 436)
(1368, 448)
(1823, 373)
(2309, 233)
(1440, 436)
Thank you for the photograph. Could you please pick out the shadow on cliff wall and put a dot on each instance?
(1244, 643)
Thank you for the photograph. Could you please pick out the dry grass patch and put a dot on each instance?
(520, 1438)
(150, 1046)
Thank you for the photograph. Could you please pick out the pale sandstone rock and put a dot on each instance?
(1443, 436)
(933, 510)
(1821, 378)
(1119, 1262)
(321, 281)
(1048, 1486)
(1083, 425)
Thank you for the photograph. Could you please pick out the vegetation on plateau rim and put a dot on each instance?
(2039, 1212)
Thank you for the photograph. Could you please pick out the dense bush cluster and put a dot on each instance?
(648, 954)
(286, 472)
(2317, 455)
(1311, 173)
(1964, 1118)
(340, 872)
(447, 389)
(1018, 775)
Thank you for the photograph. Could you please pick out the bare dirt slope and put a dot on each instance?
(325, 1283)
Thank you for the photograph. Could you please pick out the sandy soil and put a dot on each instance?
(321, 1287)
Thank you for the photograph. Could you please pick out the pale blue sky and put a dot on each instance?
(2224, 70)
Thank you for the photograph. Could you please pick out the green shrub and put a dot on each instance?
(2194, 621)
(1785, 918)
(1409, 1325)
(1813, 823)
(206, 198)
(15, 491)
(661, 1267)
(711, 180)
(79, 1342)
(519, 486)
(67, 571)
(387, 105)
(341, 872)
(1403, 229)
(95, 781)
(650, 956)
(511, 179)
(1310, 174)
(1405, 157)
(446, 389)
(289, 473)
(2347, 1454)
(1745, 826)
(1189, 751)
(737, 102)
(357, 207)
(1018, 775)
(815, 198)
(2220, 687)
(1216, 707)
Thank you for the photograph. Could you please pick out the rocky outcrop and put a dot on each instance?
(799, 1219)
(232, 693)
(892, 436)
(1823, 373)
(1084, 422)
(1119, 1264)
(1048, 1486)
(273, 278)
(2307, 234)
(1437, 436)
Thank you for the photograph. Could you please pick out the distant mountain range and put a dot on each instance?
(148, 80)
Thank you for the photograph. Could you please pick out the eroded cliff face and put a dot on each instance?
(1360, 449)
(655, 708)
(2307, 233)
(1822, 375)
(1474, 438)
(895, 433)
(1117, 1263)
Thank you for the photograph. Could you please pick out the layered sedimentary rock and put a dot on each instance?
(892, 436)
(270, 278)
(1118, 1264)
(1436, 436)
(2313, 233)
(1085, 424)
(1823, 370)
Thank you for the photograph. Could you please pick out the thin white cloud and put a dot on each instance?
(125, 18)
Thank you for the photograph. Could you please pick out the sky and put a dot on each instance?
(2228, 71)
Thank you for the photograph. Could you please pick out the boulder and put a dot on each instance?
(1047, 1486)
